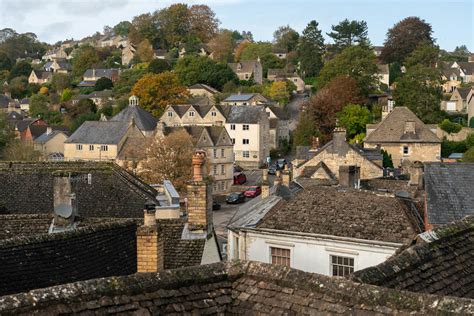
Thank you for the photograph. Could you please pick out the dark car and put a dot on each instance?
(272, 170)
(280, 164)
(235, 198)
(239, 178)
(253, 192)
(215, 206)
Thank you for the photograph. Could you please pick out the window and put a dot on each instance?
(245, 141)
(191, 113)
(222, 152)
(406, 151)
(246, 154)
(91, 147)
(213, 113)
(104, 148)
(214, 169)
(341, 266)
(78, 147)
(246, 76)
(215, 153)
(280, 256)
(245, 127)
(170, 114)
(233, 141)
(232, 127)
(222, 169)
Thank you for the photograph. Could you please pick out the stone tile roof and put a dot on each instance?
(44, 138)
(279, 112)
(464, 92)
(467, 67)
(143, 119)
(98, 72)
(442, 263)
(245, 114)
(448, 189)
(344, 213)
(233, 288)
(244, 66)
(250, 214)
(196, 132)
(202, 109)
(44, 75)
(99, 132)
(204, 87)
(392, 129)
(17, 225)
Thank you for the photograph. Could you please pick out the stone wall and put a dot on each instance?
(43, 260)
(228, 288)
(423, 152)
(457, 137)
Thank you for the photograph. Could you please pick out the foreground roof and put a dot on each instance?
(241, 114)
(341, 212)
(448, 189)
(442, 263)
(143, 119)
(99, 132)
(392, 129)
(228, 288)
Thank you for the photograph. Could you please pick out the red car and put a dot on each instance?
(239, 178)
(253, 192)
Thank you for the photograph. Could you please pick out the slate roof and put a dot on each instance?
(382, 69)
(44, 138)
(143, 119)
(392, 129)
(440, 263)
(14, 116)
(202, 109)
(463, 92)
(240, 97)
(449, 195)
(37, 130)
(240, 114)
(279, 112)
(108, 73)
(247, 66)
(4, 100)
(204, 86)
(44, 75)
(195, 132)
(99, 132)
(344, 213)
(467, 67)
(254, 211)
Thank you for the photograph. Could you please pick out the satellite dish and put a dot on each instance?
(64, 210)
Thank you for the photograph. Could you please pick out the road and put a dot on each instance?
(293, 108)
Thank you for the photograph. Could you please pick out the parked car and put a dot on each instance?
(240, 178)
(238, 168)
(280, 164)
(235, 198)
(253, 192)
(272, 170)
(215, 206)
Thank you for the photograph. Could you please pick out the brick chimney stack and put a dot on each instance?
(265, 185)
(150, 244)
(286, 176)
(277, 179)
(199, 197)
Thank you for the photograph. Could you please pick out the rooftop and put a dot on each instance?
(99, 132)
(239, 97)
(143, 119)
(245, 114)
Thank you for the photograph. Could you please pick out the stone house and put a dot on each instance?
(451, 78)
(280, 53)
(145, 122)
(91, 76)
(466, 70)
(279, 124)
(40, 77)
(55, 53)
(100, 140)
(282, 75)
(58, 65)
(458, 100)
(327, 160)
(127, 54)
(245, 99)
(470, 106)
(383, 74)
(323, 230)
(405, 137)
(201, 89)
(50, 142)
(195, 114)
(98, 97)
(217, 144)
(247, 69)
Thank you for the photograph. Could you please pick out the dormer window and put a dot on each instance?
(191, 113)
(213, 113)
(170, 114)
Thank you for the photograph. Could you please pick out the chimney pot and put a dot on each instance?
(198, 161)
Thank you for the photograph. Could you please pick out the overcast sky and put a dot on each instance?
(54, 20)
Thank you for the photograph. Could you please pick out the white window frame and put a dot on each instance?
(279, 247)
(407, 151)
(246, 154)
(345, 256)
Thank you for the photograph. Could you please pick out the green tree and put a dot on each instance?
(66, 95)
(203, 22)
(103, 84)
(426, 54)
(127, 80)
(174, 23)
(21, 68)
(122, 28)
(6, 134)
(348, 33)
(356, 62)
(278, 91)
(39, 106)
(17, 150)
(470, 140)
(419, 89)
(354, 118)
(5, 62)
(305, 131)
(286, 38)
(450, 127)
(310, 50)
(60, 81)
(18, 87)
(222, 47)
(191, 70)
(145, 26)
(85, 57)
(468, 156)
(404, 37)
(144, 51)
(386, 159)
(256, 50)
(158, 66)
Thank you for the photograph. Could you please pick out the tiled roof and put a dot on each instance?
(241, 114)
(143, 119)
(108, 73)
(254, 211)
(195, 132)
(441, 264)
(463, 92)
(467, 67)
(382, 69)
(99, 132)
(279, 112)
(240, 97)
(43, 75)
(392, 129)
(44, 138)
(449, 195)
(245, 66)
(344, 213)
(203, 86)
(4, 100)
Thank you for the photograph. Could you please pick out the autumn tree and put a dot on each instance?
(222, 47)
(240, 48)
(203, 22)
(174, 23)
(404, 37)
(310, 50)
(286, 38)
(348, 33)
(156, 91)
(145, 51)
(278, 91)
(168, 158)
(356, 62)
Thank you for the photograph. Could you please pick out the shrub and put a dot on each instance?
(450, 127)
(448, 147)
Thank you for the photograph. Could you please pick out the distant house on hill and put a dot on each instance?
(282, 75)
(58, 65)
(458, 101)
(201, 89)
(40, 77)
(91, 76)
(51, 142)
(247, 69)
(245, 99)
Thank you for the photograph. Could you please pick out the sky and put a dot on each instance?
(54, 20)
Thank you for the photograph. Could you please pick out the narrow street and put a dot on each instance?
(293, 108)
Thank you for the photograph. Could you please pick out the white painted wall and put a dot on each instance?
(309, 254)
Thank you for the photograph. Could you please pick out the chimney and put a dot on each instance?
(199, 197)
(277, 179)
(339, 137)
(150, 245)
(349, 176)
(265, 184)
(286, 176)
(93, 72)
(49, 130)
(410, 127)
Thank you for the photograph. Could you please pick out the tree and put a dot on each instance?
(426, 54)
(39, 105)
(158, 91)
(103, 84)
(169, 158)
(66, 95)
(60, 81)
(348, 33)
(174, 24)
(127, 80)
(191, 70)
(286, 38)
(278, 91)
(240, 48)
(5, 62)
(122, 28)
(21, 68)
(450, 127)
(44, 90)
(84, 58)
(470, 140)
(145, 26)
(252, 51)
(158, 66)
(330, 100)
(203, 22)
(310, 50)
(305, 131)
(404, 37)
(6, 132)
(386, 159)
(419, 89)
(354, 118)
(356, 62)
(222, 47)
(18, 87)
(18, 150)
(145, 51)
